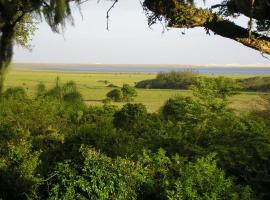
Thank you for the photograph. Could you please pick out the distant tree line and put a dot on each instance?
(186, 79)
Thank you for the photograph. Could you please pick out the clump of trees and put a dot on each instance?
(126, 94)
(170, 80)
(194, 148)
(186, 79)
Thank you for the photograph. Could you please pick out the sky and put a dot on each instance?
(130, 41)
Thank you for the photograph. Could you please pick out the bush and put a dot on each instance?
(41, 90)
(182, 109)
(115, 95)
(175, 178)
(19, 178)
(14, 93)
(152, 176)
(255, 84)
(220, 87)
(129, 116)
(98, 177)
(35, 116)
(129, 93)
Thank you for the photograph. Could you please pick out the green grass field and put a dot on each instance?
(94, 90)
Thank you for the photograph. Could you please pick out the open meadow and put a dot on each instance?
(94, 87)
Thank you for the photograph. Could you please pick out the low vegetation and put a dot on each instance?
(255, 84)
(53, 146)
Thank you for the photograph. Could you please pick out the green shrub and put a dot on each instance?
(14, 93)
(19, 178)
(115, 95)
(35, 116)
(175, 178)
(41, 90)
(129, 116)
(99, 177)
(261, 84)
(129, 93)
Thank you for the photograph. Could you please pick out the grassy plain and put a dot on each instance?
(94, 89)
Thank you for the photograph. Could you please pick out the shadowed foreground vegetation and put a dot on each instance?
(54, 146)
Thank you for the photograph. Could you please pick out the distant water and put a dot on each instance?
(204, 70)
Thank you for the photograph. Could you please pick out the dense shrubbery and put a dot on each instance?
(255, 84)
(126, 93)
(55, 147)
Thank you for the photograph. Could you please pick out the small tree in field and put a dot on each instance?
(129, 93)
(115, 95)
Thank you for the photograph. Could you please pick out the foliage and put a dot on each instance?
(35, 116)
(127, 93)
(195, 148)
(99, 177)
(25, 30)
(220, 87)
(41, 90)
(170, 80)
(175, 178)
(129, 116)
(67, 92)
(255, 84)
(115, 95)
(14, 93)
(207, 127)
(18, 166)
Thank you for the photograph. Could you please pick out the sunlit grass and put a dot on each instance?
(94, 89)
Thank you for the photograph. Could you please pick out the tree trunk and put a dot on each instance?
(6, 50)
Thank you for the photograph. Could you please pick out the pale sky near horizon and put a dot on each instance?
(130, 41)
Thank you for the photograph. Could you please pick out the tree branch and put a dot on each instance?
(181, 15)
(108, 13)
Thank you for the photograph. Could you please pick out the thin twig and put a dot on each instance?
(108, 12)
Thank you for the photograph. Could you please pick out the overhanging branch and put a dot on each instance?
(108, 13)
(182, 15)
